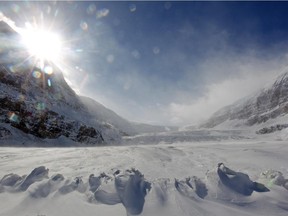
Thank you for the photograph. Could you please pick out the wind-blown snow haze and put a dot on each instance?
(162, 64)
(143, 108)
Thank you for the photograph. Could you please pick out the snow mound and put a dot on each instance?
(133, 191)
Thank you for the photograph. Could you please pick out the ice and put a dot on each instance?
(37, 174)
(180, 179)
(94, 182)
(192, 187)
(10, 179)
(238, 181)
(107, 198)
(77, 184)
(132, 189)
(160, 187)
(44, 189)
(273, 177)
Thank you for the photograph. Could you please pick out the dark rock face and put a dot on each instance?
(88, 134)
(26, 103)
(4, 132)
(268, 104)
(35, 99)
(272, 129)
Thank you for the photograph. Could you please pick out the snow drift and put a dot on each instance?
(169, 180)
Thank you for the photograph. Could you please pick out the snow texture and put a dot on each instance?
(170, 179)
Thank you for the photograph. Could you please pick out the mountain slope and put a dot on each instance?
(269, 106)
(35, 99)
(43, 106)
(109, 117)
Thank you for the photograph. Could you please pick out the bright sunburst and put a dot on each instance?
(42, 44)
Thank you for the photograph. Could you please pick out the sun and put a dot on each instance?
(41, 44)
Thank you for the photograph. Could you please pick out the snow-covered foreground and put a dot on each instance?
(165, 188)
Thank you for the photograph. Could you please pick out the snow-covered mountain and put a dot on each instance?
(109, 117)
(266, 108)
(35, 99)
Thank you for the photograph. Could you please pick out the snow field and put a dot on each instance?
(161, 187)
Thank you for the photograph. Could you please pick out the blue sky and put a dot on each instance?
(171, 63)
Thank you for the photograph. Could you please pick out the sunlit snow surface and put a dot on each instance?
(51, 195)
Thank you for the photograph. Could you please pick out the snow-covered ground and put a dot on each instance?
(165, 188)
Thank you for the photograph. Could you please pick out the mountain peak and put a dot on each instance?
(5, 28)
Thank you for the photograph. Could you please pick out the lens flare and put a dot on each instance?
(91, 9)
(156, 50)
(110, 58)
(48, 70)
(102, 13)
(132, 7)
(49, 83)
(40, 106)
(13, 117)
(84, 26)
(36, 74)
(42, 44)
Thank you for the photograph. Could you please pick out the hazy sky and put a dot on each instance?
(169, 63)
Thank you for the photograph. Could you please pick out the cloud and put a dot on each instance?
(178, 74)
(225, 82)
(248, 79)
(184, 90)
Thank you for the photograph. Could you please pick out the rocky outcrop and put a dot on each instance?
(89, 135)
(272, 129)
(20, 108)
